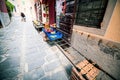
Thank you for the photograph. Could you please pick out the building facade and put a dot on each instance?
(100, 44)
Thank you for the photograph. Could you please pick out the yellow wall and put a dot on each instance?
(113, 30)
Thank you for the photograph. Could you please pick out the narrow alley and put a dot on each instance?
(59, 39)
(25, 56)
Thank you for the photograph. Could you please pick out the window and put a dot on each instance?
(90, 13)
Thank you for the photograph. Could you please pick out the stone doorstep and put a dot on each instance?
(87, 69)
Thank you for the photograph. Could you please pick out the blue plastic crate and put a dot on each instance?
(51, 36)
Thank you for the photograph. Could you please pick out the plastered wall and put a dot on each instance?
(113, 30)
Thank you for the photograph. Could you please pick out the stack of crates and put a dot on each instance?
(87, 71)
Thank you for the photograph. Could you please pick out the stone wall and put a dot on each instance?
(103, 52)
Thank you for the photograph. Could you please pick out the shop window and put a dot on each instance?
(90, 13)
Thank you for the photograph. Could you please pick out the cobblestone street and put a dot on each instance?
(25, 56)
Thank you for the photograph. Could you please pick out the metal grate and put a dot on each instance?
(90, 13)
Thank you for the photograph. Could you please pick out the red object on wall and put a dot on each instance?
(44, 15)
(3, 7)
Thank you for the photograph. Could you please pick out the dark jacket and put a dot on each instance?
(22, 15)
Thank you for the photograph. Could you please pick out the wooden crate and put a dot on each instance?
(87, 71)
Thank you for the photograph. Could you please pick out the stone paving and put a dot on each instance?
(25, 56)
